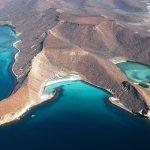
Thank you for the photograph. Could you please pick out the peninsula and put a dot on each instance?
(84, 39)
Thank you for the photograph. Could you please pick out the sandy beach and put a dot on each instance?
(70, 78)
(118, 60)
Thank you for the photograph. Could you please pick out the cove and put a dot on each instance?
(7, 54)
(80, 118)
(136, 72)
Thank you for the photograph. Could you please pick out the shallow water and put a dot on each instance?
(80, 118)
(51, 88)
(7, 53)
(137, 72)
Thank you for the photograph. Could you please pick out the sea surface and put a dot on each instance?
(80, 118)
(136, 72)
(7, 53)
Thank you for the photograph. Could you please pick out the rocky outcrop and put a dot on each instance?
(136, 101)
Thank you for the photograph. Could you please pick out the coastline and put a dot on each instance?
(116, 101)
(16, 116)
(44, 98)
(106, 90)
(9, 24)
(71, 78)
(6, 23)
(8, 118)
(118, 60)
(12, 116)
(12, 59)
(15, 57)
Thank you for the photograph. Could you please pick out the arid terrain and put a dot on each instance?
(82, 36)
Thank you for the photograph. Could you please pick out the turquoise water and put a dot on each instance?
(80, 118)
(51, 88)
(137, 72)
(7, 53)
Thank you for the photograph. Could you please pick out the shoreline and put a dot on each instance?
(17, 116)
(15, 57)
(71, 78)
(9, 118)
(9, 24)
(118, 60)
(122, 60)
(116, 102)
(45, 98)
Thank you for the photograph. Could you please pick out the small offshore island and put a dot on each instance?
(74, 74)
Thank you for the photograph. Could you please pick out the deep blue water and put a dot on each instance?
(137, 72)
(80, 118)
(7, 53)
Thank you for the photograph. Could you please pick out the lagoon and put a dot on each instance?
(136, 72)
